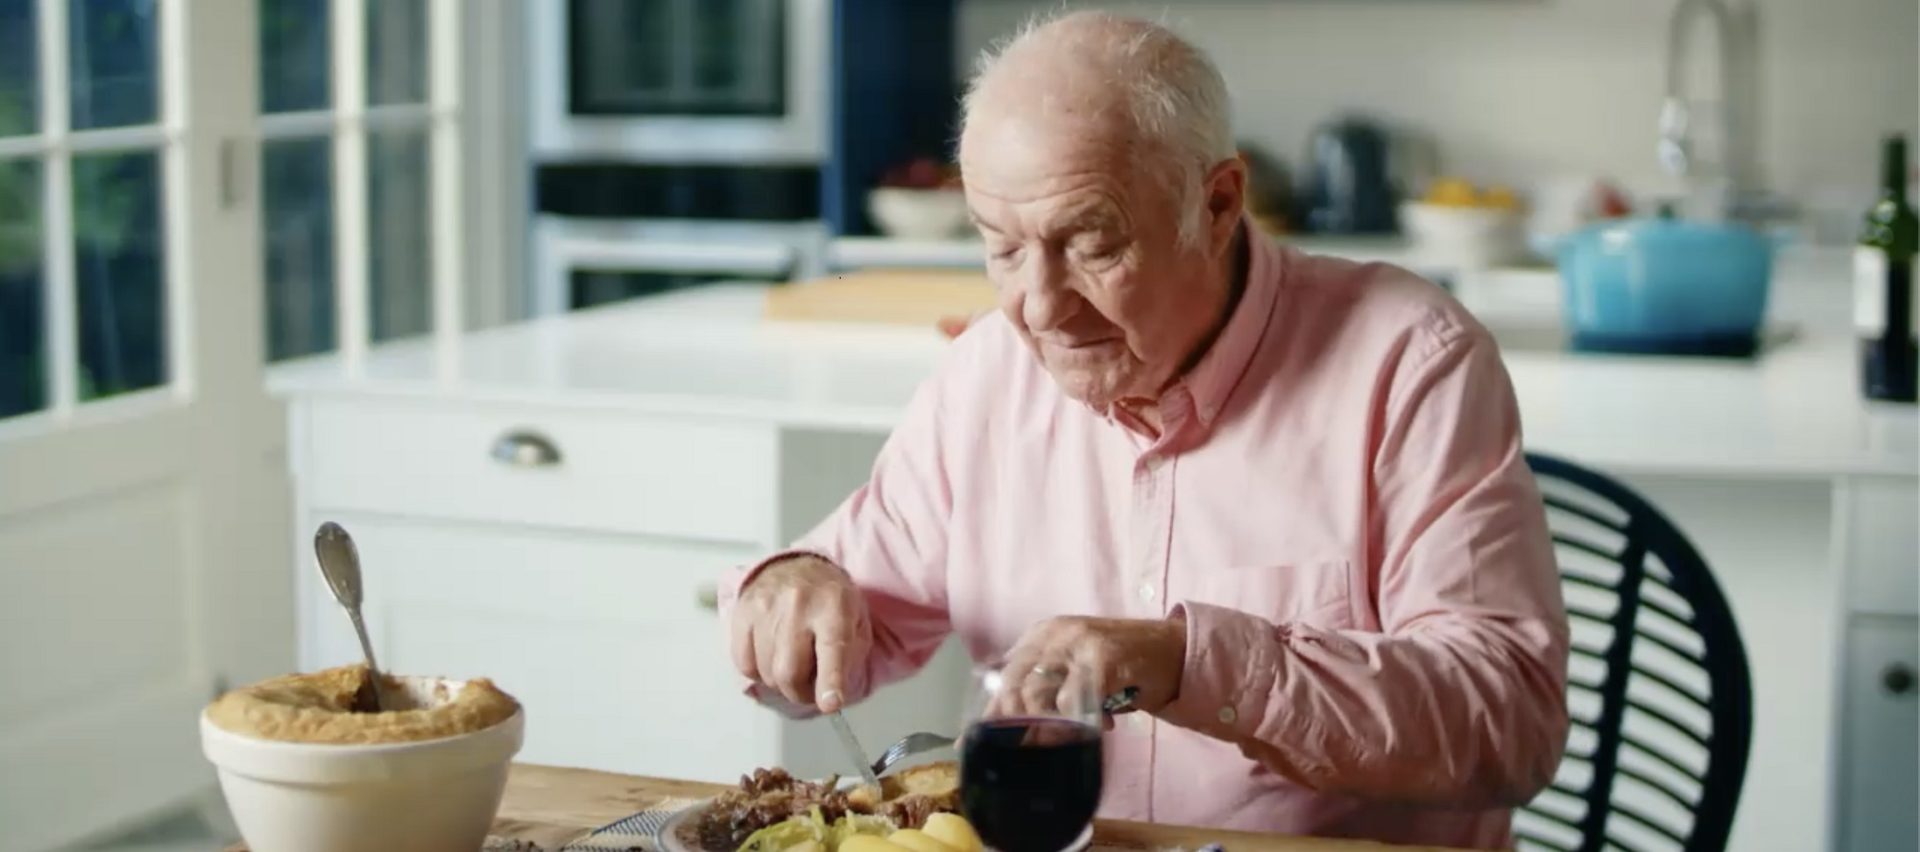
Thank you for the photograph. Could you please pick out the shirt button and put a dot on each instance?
(1228, 715)
(1139, 720)
(1147, 592)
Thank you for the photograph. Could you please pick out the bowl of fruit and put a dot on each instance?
(919, 200)
(1460, 224)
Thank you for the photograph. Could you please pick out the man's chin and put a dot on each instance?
(1087, 390)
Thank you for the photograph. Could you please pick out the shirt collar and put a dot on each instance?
(1212, 380)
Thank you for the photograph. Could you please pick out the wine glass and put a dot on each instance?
(1030, 773)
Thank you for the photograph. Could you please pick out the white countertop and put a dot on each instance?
(1793, 412)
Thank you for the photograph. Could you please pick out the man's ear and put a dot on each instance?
(1226, 193)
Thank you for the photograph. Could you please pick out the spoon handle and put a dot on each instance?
(380, 700)
(340, 565)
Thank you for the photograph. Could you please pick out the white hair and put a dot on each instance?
(1172, 95)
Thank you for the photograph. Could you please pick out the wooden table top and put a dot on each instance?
(551, 806)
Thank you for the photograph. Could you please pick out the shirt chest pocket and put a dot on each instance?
(1319, 592)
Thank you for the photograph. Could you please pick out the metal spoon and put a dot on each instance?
(340, 565)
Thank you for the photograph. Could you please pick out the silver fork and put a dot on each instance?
(909, 746)
(924, 742)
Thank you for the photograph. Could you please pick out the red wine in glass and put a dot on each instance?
(1030, 784)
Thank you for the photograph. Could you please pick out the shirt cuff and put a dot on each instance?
(1229, 671)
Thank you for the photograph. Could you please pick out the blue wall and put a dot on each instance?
(895, 97)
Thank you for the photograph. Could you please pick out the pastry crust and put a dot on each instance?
(329, 707)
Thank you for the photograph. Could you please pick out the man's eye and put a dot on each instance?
(1098, 251)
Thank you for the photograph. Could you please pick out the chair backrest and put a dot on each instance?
(1657, 682)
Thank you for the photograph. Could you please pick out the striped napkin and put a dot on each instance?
(632, 832)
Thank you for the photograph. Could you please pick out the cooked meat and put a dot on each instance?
(766, 781)
(911, 811)
(769, 796)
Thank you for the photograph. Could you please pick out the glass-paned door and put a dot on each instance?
(358, 132)
(150, 267)
(296, 176)
(135, 494)
(84, 290)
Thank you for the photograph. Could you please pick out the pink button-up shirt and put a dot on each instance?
(1338, 505)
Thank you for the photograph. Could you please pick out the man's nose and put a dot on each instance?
(1047, 301)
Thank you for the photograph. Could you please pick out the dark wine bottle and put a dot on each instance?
(1884, 314)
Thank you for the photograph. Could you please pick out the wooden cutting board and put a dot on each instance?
(916, 297)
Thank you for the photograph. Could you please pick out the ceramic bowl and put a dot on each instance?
(918, 214)
(427, 796)
(1472, 237)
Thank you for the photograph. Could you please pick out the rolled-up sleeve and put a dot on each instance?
(890, 537)
(1459, 698)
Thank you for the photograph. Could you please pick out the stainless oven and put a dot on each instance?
(680, 80)
(582, 263)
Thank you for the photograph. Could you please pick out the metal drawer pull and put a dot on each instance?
(709, 597)
(1897, 679)
(522, 448)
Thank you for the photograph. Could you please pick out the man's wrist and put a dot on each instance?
(780, 563)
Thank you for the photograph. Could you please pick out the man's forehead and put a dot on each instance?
(1029, 142)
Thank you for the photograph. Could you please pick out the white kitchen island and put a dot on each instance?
(549, 504)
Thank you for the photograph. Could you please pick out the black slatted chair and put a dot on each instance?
(1658, 687)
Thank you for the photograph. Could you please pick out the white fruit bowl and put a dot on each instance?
(435, 795)
(1464, 236)
(918, 214)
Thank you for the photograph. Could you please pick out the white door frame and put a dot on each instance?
(143, 534)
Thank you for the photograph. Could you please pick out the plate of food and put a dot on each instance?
(915, 810)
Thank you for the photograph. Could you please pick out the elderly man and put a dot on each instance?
(1283, 495)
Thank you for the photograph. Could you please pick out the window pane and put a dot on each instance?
(23, 339)
(19, 64)
(114, 61)
(396, 52)
(400, 270)
(293, 55)
(297, 202)
(119, 272)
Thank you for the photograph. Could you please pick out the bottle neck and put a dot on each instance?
(1893, 170)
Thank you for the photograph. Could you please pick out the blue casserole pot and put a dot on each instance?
(1666, 286)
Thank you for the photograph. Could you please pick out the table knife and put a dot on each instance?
(851, 745)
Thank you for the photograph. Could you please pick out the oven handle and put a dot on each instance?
(756, 259)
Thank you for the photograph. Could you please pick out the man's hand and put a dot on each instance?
(799, 627)
(1114, 652)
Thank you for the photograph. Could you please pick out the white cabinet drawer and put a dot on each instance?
(677, 477)
(1879, 763)
(606, 640)
(1882, 546)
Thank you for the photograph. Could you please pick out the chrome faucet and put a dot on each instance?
(1677, 152)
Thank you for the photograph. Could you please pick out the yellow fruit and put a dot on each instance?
(807, 846)
(953, 830)
(870, 843)
(1452, 192)
(918, 841)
